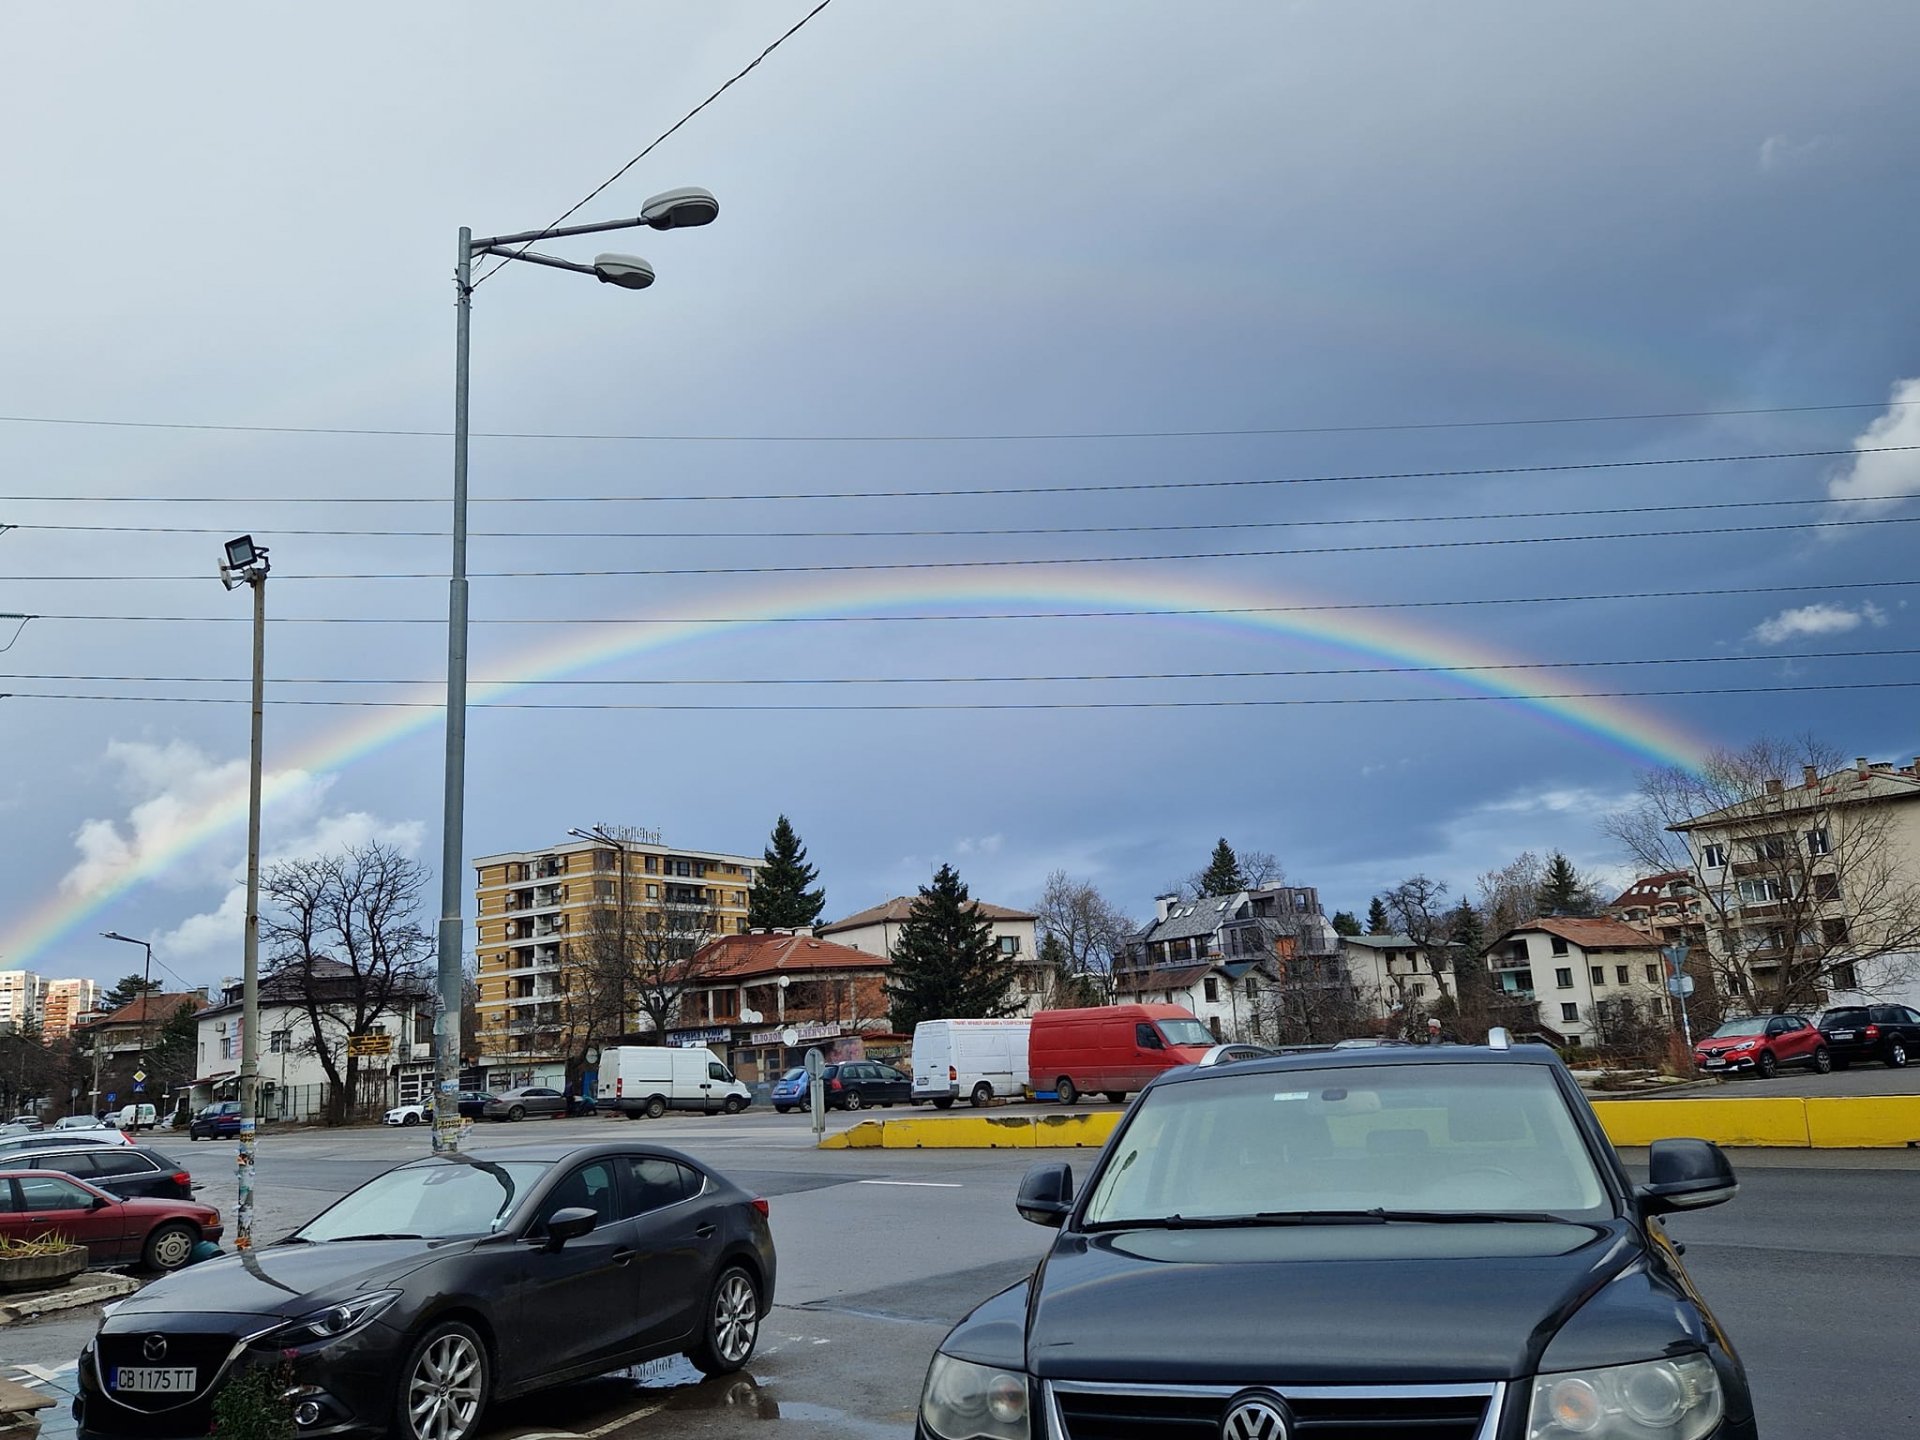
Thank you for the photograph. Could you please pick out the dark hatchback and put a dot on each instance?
(1887, 1033)
(856, 1084)
(126, 1172)
(1368, 1245)
(414, 1301)
(218, 1121)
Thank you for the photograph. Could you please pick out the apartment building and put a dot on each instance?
(537, 910)
(68, 1001)
(1393, 971)
(1590, 978)
(1666, 906)
(23, 998)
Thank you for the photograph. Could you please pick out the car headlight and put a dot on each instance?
(1656, 1400)
(330, 1323)
(1744, 1045)
(964, 1401)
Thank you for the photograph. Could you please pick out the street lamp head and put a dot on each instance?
(240, 552)
(629, 272)
(680, 209)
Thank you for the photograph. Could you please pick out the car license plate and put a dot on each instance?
(1716, 1064)
(1840, 1035)
(153, 1379)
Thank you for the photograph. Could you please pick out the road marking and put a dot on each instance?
(642, 1413)
(917, 1184)
(46, 1375)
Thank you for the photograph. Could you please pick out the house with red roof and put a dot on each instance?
(763, 999)
(1591, 977)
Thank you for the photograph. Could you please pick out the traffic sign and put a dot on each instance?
(816, 1062)
(1681, 985)
(140, 1076)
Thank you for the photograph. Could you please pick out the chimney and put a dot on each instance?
(1776, 787)
(1810, 776)
(1162, 904)
(1860, 766)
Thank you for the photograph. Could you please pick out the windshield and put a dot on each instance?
(799, 1072)
(1435, 1138)
(1752, 1025)
(1186, 1032)
(1843, 1017)
(434, 1200)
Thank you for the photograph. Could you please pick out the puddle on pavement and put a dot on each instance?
(673, 1384)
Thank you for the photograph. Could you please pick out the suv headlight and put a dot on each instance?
(1656, 1400)
(964, 1401)
(330, 1323)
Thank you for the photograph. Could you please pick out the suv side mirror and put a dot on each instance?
(569, 1224)
(1046, 1195)
(1685, 1175)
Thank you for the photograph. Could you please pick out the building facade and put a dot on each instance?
(68, 1002)
(1015, 935)
(1591, 980)
(23, 998)
(1394, 971)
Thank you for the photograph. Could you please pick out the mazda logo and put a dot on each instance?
(154, 1347)
(1258, 1416)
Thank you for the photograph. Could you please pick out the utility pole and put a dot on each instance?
(246, 564)
(146, 1014)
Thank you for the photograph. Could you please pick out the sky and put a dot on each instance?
(1020, 328)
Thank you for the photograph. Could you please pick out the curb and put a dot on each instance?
(105, 1287)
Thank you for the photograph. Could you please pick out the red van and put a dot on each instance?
(1115, 1049)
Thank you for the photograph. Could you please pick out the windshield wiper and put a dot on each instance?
(385, 1236)
(1375, 1216)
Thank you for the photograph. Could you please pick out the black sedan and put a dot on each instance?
(855, 1084)
(1887, 1033)
(125, 1172)
(455, 1280)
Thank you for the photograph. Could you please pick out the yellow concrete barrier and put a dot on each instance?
(1065, 1131)
(1773, 1121)
(1861, 1122)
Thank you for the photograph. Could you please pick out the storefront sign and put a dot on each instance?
(812, 1030)
(713, 1035)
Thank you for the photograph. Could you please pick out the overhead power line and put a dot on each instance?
(958, 437)
(996, 616)
(1110, 487)
(870, 567)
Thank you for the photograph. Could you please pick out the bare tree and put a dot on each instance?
(348, 948)
(1091, 932)
(663, 943)
(1314, 1003)
(1805, 884)
(1507, 895)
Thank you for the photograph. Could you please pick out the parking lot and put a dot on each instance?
(881, 1250)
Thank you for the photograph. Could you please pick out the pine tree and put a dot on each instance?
(945, 963)
(1377, 921)
(1562, 891)
(126, 990)
(1345, 922)
(1463, 928)
(1223, 875)
(780, 899)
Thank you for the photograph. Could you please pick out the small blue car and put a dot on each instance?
(790, 1090)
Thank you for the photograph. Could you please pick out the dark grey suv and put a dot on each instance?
(1887, 1033)
(1371, 1245)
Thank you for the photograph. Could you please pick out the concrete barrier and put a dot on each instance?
(1837, 1122)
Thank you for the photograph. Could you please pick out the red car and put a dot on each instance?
(156, 1234)
(1762, 1044)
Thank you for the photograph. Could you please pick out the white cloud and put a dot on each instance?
(1885, 478)
(1821, 619)
(1778, 152)
(981, 845)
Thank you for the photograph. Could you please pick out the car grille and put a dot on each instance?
(1094, 1411)
(207, 1354)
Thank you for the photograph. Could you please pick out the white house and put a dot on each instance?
(877, 929)
(1579, 971)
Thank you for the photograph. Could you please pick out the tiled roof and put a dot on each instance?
(1380, 942)
(898, 908)
(1649, 889)
(1190, 918)
(740, 957)
(1842, 787)
(152, 1007)
(1589, 932)
(1167, 977)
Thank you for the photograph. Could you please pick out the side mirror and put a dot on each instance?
(569, 1224)
(1685, 1175)
(1046, 1195)
(100, 1202)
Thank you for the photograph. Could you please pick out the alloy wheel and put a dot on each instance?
(443, 1393)
(736, 1317)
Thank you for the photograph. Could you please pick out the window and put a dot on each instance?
(1817, 842)
(1146, 1038)
(1844, 976)
(653, 865)
(1563, 978)
(1419, 988)
(1653, 974)
(1250, 991)
(1761, 891)
(1620, 974)
(717, 1071)
(1009, 944)
(1713, 857)
(279, 1042)
(1826, 887)
(1597, 974)
(50, 1192)
(1834, 931)
(1569, 1011)
(1769, 847)
(1212, 988)
(1559, 945)
(118, 1160)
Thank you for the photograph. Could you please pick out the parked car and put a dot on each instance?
(81, 1122)
(217, 1121)
(980, 1059)
(855, 1084)
(13, 1147)
(124, 1171)
(653, 1079)
(138, 1117)
(1762, 1044)
(415, 1301)
(26, 1122)
(153, 1233)
(790, 1090)
(1208, 1280)
(1114, 1049)
(473, 1103)
(1234, 1052)
(410, 1114)
(527, 1100)
(1887, 1033)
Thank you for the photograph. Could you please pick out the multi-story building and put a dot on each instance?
(1592, 980)
(1666, 906)
(1394, 971)
(67, 1002)
(23, 998)
(120, 1044)
(539, 911)
(877, 928)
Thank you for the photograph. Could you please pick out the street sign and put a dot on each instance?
(1675, 955)
(140, 1076)
(371, 1044)
(1681, 985)
(112, 1096)
(816, 1062)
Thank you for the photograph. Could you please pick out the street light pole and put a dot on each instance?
(246, 564)
(146, 1008)
(674, 209)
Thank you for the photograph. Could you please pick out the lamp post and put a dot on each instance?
(671, 210)
(246, 564)
(146, 994)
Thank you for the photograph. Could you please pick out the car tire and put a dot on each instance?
(1897, 1055)
(518, 1112)
(411, 1120)
(853, 1101)
(1116, 1097)
(1765, 1066)
(656, 1106)
(448, 1368)
(945, 1102)
(734, 1105)
(1822, 1060)
(732, 1324)
(168, 1247)
(784, 1109)
(1065, 1091)
(982, 1096)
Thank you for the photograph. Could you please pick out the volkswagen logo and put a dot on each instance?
(154, 1347)
(1257, 1415)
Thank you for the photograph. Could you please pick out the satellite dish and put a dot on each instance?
(785, 981)
(789, 1036)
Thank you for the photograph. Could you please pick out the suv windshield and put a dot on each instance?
(1185, 1032)
(1751, 1025)
(1842, 1017)
(1450, 1139)
(434, 1200)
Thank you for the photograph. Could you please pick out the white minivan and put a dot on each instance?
(980, 1059)
(653, 1079)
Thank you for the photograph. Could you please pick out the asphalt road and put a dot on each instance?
(882, 1250)
(1864, 1078)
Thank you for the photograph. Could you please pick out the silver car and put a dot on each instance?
(525, 1101)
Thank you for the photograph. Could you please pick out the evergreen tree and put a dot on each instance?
(1562, 891)
(781, 899)
(125, 991)
(1345, 922)
(1463, 927)
(945, 963)
(1223, 875)
(1377, 921)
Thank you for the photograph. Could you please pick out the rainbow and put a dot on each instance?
(1384, 637)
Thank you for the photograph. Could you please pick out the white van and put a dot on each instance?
(653, 1079)
(980, 1059)
(137, 1117)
